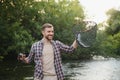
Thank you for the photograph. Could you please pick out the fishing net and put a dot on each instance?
(85, 33)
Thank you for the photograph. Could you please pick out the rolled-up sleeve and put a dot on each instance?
(65, 47)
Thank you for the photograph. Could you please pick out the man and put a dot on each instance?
(47, 57)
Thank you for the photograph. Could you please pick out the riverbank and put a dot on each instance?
(74, 70)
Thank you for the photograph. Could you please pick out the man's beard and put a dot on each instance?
(49, 39)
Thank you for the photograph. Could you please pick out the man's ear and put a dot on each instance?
(42, 32)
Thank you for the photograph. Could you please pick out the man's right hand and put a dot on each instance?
(21, 57)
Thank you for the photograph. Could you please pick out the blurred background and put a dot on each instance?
(20, 24)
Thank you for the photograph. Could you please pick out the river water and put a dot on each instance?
(93, 70)
(74, 70)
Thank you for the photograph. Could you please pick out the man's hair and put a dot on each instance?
(46, 25)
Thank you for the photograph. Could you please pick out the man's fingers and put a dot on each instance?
(21, 56)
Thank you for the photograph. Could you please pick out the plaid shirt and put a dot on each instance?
(36, 51)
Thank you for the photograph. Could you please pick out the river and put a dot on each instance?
(74, 70)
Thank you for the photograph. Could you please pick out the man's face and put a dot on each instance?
(48, 33)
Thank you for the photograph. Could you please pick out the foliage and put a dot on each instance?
(21, 20)
(113, 21)
(13, 17)
(111, 43)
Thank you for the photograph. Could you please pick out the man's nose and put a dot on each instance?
(51, 33)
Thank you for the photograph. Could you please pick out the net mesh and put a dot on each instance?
(85, 33)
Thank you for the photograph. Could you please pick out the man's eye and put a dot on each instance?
(48, 31)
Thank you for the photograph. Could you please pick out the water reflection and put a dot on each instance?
(75, 70)
(93, 70)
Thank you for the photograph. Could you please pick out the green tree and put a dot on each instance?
(16, 16)
(113, 22)
(21, 20)
(111, 44)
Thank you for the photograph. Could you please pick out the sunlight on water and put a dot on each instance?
(94, 70)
